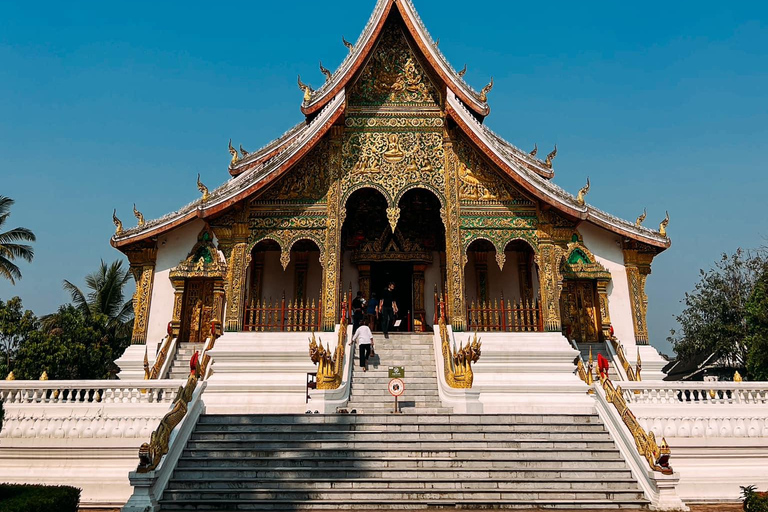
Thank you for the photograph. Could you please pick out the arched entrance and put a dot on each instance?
(410, 256)
(284, 293)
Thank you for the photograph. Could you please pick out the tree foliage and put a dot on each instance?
(757, 324)
(715, 318)
(15, 326)
(10, 250)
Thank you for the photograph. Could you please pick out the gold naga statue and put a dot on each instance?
(457, 364)
(329, 366)
(118, 223)
(484, 92)
(583, 192)
(202, 188)
(663, 226)
(641, 218)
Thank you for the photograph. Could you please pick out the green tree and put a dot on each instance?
(714, 319)
(757, 325)
(16, 325)
(10, 250)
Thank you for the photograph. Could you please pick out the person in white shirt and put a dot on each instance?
(364, 338)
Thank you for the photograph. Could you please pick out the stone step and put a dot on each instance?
(441, 474)
(412, 445)
(374, 435)
(474, 420)
(347, 504)
(469, 484)
(531, 463)
(330, 428)
(365, 450)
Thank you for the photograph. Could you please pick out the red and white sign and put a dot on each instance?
(396, 387)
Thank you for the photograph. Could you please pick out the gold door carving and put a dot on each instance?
(580, 312)
(197, 311)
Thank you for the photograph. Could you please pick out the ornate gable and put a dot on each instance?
(393, 76)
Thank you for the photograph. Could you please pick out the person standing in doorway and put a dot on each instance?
(364, 339)
(388, 308)
(357, 311)
(372, 311)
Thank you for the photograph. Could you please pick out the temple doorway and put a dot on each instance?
(197, 310)
(401, 274)
(579, 310)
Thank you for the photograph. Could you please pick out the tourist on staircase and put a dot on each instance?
(364, 338)
(388, 308)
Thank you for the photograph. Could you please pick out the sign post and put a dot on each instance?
(396, 388)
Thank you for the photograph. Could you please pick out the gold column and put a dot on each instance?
(219, 295)
(142, 266)
(605, 314)
(638, 265)
(335, 218)
(551, 284)
(419, 306)
(453, 249)
(237, 265)
(178, 303)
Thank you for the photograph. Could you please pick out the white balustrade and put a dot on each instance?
(695, 393)
(89, 391)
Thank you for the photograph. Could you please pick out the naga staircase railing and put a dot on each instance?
(330, 365)
(205, 357)
(162, 356)
(457, 363)
(291, 316)
(505, 316)
(633, 374)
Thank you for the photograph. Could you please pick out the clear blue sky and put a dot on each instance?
(662, 104)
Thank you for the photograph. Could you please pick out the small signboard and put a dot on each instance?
(396, 372)
(396, 388)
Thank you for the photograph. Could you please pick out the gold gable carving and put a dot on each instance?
(391, 247)
(478, 181)
(203, 260)
(307, 181)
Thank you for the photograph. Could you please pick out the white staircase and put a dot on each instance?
(180, 367)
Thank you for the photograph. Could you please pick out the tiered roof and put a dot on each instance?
(325, 107)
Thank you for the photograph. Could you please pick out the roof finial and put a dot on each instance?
(463, 71)
(202, 188)
(551, 157)
(437, 42)
(535, 149)
(663, 226)
(138, 215)
(307, 90)
(583, 192)
(641, 218)
(118, 224)
(244, 152)
(325, 71)
(233, 152)
(347, 44)
(486, 90)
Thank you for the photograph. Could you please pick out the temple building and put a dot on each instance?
(392, 175)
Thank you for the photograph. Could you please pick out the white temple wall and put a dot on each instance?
(314, 277)
(606, 247)
(172, 249)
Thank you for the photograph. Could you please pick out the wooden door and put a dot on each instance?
(579, 311)
(198, 309)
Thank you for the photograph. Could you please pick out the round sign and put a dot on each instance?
(396, 387)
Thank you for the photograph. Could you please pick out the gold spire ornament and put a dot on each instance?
(583, 192)
(118, 223)
(463, 71)
(737, 377)
(486, 90)
(551, 157)
(44, 375)
(202, 188)
(535, 149)
(10, 376)
(307, 89)
(325, 71)
(244, 152)
(349, 45)
(139, 216)
(641, 218)
(663, 226)
(233, 152)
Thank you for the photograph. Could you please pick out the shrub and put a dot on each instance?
(38, 498)
(754, 501)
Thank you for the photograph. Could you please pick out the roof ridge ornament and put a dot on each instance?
(583, 192)
(202, 188)
(118, 224)
(349, 45)
(325, 71)
(306, 89)
(663, 226)
(486, 90)
(551, 157)
(641, 218)
(244, 152)
(139, 216)
(463, 71)
(233, 152)
(437, 42)
(535, 149)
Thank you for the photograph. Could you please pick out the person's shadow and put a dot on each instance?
(374, 361)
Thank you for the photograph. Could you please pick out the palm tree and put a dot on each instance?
(9, 249)
(105, 297)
